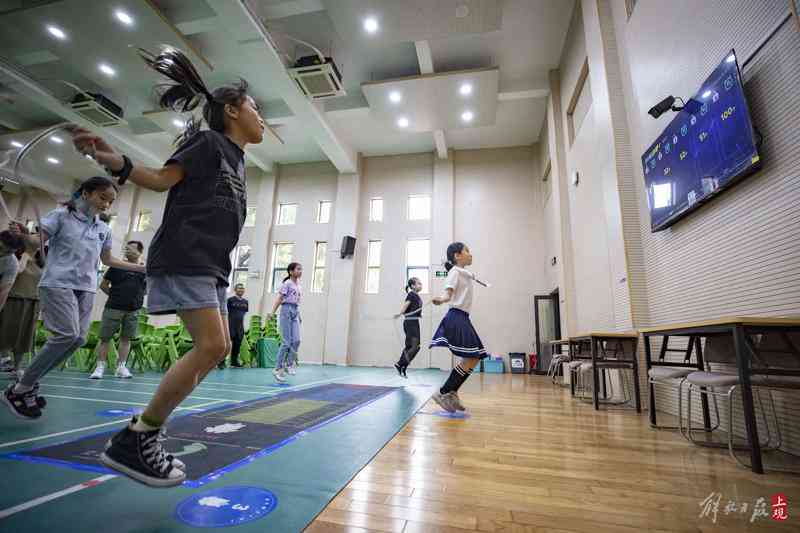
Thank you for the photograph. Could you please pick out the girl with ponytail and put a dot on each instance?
(77, 239)
(411, 311)
(188, 262)
(456, 331)
(289, 296)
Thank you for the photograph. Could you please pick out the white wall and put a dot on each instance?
(498, 215)
(373, 340)
(737, 255)
(305, 185)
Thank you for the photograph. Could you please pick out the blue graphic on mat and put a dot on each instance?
(124, 411)
(226, 506)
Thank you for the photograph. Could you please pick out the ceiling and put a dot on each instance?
(517, 41)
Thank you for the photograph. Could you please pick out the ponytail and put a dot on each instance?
(90, 185)
(410, 282)
(189, 91)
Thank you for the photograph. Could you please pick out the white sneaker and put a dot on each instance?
(292, 370)
(280, 377)
(98, 371)
(123, 372)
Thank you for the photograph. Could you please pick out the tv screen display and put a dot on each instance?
(708, 146)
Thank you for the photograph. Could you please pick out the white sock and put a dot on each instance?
(141, 427)
(19, 388)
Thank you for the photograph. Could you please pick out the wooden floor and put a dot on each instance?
(532, 459)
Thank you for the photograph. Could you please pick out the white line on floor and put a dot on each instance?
(86, 428)
(46, 386)
(5, 513)
(193, 408)
(138, 381)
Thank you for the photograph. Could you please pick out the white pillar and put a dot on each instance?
(342, 271)
(262, 254)
(443, 234)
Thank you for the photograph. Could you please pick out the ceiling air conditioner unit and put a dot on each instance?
(316, 79)
(97, 109)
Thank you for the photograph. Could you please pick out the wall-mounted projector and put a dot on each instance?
(97, 109)
(317, 79)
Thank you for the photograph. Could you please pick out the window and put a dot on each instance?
(287, 214)
(144, 220)
(418, 261)
(580, 102)
(112, 222)
(250, 218)
(281, 257)
(324, 212)
(548, 183)
(373, 267)
(662, 195)
(240, 259)
(419, 207)
(318, 280)
(376, 210)
(629, 7)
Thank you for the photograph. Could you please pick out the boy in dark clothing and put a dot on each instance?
(237, 308)
(125, 292)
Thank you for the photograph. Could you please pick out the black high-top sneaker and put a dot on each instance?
(140, 456)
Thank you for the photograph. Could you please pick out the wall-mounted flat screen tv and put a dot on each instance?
(708, 146)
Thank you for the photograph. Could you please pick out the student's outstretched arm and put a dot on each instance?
(403, 309)
(446, 296)
(111, 261)
(277, 304)
(158, 180)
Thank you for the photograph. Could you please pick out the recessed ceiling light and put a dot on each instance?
(731, 58)
(57, 32)
(402, 122)
(370, 25)
(178, 123)
(57, 140)
(706, 94)
(466, 89)
(467, 116)
(108, 71)
(53, 161)
(123, 17)
(16, 144)
(395, 96)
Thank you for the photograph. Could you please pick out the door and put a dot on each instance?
(548, 328)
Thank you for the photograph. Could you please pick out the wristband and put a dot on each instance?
(124, 172)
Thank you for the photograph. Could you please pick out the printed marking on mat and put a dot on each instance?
(226, 506)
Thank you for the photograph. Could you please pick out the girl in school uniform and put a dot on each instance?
(77, 239)
(189, 259)
(288, 300)
(411, 311)
(456, 331)
(19, 317)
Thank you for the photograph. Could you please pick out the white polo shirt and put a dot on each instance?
(460, 280)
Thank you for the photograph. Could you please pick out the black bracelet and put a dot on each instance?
(124, 172)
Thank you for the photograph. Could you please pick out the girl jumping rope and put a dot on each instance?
(411, 311)
(456, 331)
(289, 301)
(189, 259)
(77, 239)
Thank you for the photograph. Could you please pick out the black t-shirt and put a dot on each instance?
(237, 308)
(414, 305)
(127, 289)
(205, 211)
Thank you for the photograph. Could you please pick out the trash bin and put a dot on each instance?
(517, 362)
(267, 350)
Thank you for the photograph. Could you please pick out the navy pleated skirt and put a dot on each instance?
(457, 333)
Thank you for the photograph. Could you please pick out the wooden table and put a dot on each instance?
(738, 327)
(595, 338)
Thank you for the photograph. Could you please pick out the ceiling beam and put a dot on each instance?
(522, 95)
(33, 90)
(425, 59)
(240, 15)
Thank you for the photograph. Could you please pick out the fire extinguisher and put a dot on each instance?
(532, 363)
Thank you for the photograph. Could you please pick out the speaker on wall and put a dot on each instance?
(348, 246)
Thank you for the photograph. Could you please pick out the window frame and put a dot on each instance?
(329, 203)
(319, 269)
(372, 217)
(373, 268)
(281, 207)
(415, 197)
(275, 270)
(426, 283)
